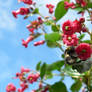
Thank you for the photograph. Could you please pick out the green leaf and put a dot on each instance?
(43, 70)
(58, 87)
(36, 11)
(90, 5)
(55, 66)
(52, 44)
(76, 86)
(60, 10)
(48, 75)
(53, 37)
(79, 9)
(55, 28)
(38, 66)
(81, 36)
(87, 41)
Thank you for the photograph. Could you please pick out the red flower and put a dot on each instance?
(70, 40)
(77, 26)
(82, 20)
(10, 88)
(83, 3)
(32, 78)
(39, 43)
(69, 5)
(67, 28)
(20, 90)
(50, 7)
(25, 43)
(21, 11)
(24, 70)
(29, 2)
(84, 51)
(24, 86)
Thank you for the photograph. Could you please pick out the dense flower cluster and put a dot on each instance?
(82, 3)
(83, 50)
(79, 50)
(26, 77)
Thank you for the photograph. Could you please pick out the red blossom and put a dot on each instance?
(77, 26)
(10, 88)
(67, 28)
(83, 3)
(39, 43)
(21, 11)
(24, 70)
(29, 2)
(50, 7)
(84, 51)
(69, 5)
(70, 40)
(25, 43)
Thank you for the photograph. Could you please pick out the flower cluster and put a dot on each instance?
(26, 77)
(69, 28)
(82, 3)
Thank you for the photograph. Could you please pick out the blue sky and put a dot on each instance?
(12, 54)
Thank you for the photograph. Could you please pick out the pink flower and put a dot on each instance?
(70, 40)
(31, 30)
(10, 88)
(67, 28)
(21, 11)
(50, 7)
(77, 26)
(69, 5)
(84, 51)
(24, 86)
(29, 2)
(24, 70)
(15, 13)
(82, 20)
(33, 91)
(32, 78)
(84, 29)
(25, 43)
(83, 3)
(20, 90)
(39, 43)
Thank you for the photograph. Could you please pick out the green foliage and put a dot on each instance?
(55, 66)
(76, 86)
(81, 37)
(38, 66)
(58, 87)
(79, 9)
(43, 70)
(36, 11)
(60, 10)
(87, 41)
(90, 5)
(53, 37)
(55, 28)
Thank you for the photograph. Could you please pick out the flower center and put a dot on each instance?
(31, 78)
(83, 51)
(69, 38)
(67, 27)
(9, 87)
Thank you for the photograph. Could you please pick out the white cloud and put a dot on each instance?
(6, 20)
